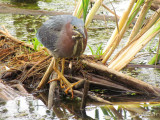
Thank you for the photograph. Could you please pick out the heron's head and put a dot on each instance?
(78, 28)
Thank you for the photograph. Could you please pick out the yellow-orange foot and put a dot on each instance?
(58, 79)
(64, 83)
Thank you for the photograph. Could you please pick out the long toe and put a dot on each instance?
(56, 79)
(71, 88)
(66, 83)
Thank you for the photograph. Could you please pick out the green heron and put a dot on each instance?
(65, 37)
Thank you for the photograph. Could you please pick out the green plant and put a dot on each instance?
(155, 58)
(98, 52)
(85, 8)
(36, 43)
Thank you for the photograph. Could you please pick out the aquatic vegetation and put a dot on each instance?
(36, 44)
(98, 52)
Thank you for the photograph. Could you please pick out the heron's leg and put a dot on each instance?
(66, 82)
(69, 85)
(60, 74)
(63, 64)
(62, 71)
(62, 79)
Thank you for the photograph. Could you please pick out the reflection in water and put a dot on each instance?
(30, 108)
(22, 26)
(28, 26)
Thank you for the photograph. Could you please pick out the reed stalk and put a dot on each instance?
(156, 57)
(85, 8)
(112, 12)
(109, 49)
(151, 20)
(140, 19)
(78, 10)
(129, 54)
(92, 12)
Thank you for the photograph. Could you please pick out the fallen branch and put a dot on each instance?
(53, 93)
(126, 80)
(46, 75)
(101, 82)
(8, 93)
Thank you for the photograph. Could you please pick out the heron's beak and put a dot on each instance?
(81, 31)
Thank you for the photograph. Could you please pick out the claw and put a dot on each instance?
(53, 80)
(70, 87)
(61, 84)
(58, 79)
(64, 83)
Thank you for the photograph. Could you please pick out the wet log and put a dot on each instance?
(54, 88)
(101, 82)
(130, 82)
(8, 93)
(53, 97)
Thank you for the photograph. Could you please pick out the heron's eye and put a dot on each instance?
(74, 27)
